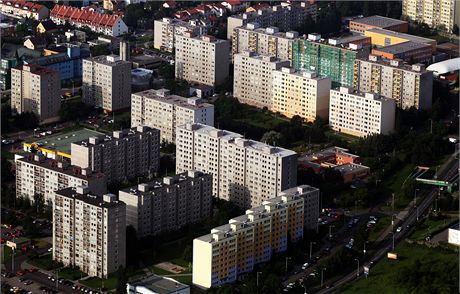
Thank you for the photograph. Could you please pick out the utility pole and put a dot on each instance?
(364, 250)
(322, 276)
(330, 232)
(257, 282)
(357, 269)
(393, 245)
(311, 247)
(287, 258)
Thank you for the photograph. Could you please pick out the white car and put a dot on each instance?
(398, 229)
(305, 266)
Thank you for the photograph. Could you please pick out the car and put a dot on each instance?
(28, 282)
(355, 220)
(305, 266)
(22, 279)
(33, 270)
(19, 273)
(50, 249)
(373, 222)
(398, 229)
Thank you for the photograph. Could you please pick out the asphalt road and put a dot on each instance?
(387, 245)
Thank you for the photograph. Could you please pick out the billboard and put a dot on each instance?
(454, 237)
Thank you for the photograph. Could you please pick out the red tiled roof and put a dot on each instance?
(202, 8)
(83, 16)
(234, 2)
(30, 6)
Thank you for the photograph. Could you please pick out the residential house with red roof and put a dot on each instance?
(106, 24)
(22, 9)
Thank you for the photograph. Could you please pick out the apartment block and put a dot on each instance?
(361, 114)
(360, 25)
(408, 85)
(168, 204)
(36, 89)
(89, 231)
(166, 30)
(234, 249)
(161, 110)
(301, 93)
(435, 13)
(253, 78)
(333, 58)
(124, 155)
(263, 41)
(244, 171)
(38, 175)
(202, 59)
(107, 82)
(287, 16)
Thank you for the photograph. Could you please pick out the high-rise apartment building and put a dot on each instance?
(330, 58)
(263, 41)
(161, 110)
(234, 249)
(243, 171)
(38, 175)
(361, 114)
(253, 78)
(36, 89)
(202, 59)
(166, 30)
(409, 85)
(435, 13)
(300, 93)
(127, 154)
(89, 231)
(168, 204)
(287, 16)
(107, 82)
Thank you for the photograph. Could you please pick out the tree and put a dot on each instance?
(188, 253)
(273, 138)
(122, 279)
(455, 29)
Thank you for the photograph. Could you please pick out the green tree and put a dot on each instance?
(273, 138)
(187, 254)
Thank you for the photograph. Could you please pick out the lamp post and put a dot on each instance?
(257, 282)
(393, 245)
(364, 250)
(357, 269)
(322, 276)
(330, 232)
(311, 247)
(287, 259)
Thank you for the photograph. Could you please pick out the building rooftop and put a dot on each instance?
(110, 60)
(82, 193)
(347, 168)
(164, 95)
(116, 135)
(402, 35)
(402, 47)
(351, 91)
(302, 73)
(274, 31)
(379, 21)
(37, 69)
(396, 63)
(159, 285)
(266, 58)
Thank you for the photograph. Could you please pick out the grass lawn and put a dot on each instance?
(6, 253)
(45, 262)
(71, 273)
(262, 120)
(96, 283)
(160, 271)
(183, 279)
(428, 226)
(383, 275)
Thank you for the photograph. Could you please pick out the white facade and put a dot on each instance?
(245, 172)
(23, 9)
(160, 110)
(166, 30)
(360, 114)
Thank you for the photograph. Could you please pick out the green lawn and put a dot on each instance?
(7, 253)
(160, 271)
(45, 262)
(71, 273)
(97, 283)
(428, 226)
(382, 278)
(183, 279)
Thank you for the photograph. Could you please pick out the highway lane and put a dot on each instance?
(387, 245)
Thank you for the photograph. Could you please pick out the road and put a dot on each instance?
(387, 245)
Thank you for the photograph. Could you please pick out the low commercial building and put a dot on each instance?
(168, 204)
(408, 51)
(161, 110)
(166, 30)
(234, 249)
(361, 114)
(89, 231)
(300, 93)
(382, 37)
(153, 284)
(23, 9)
(409, 85)
(340, 159)
(360, 25)
(244, 171)
(253, 78)
(124, 155)
(202, 59)
(37, 175)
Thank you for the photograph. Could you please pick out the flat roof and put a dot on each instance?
(402, 47)
(157, 284)
(96, 200)
(163, 95)
(379, 21)
(402, 35)
(62, 141)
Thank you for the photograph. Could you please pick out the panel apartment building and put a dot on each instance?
(38, 175)
(434, 13)
(161, 110)
(361, 114)
(234, 249)
(253, 78)
(202, 59)
(287, 16)
(167, 29)
(89, 231)
(168, 204)
(244, 171)
(124, 155)
(300, 93)
(263, 41)
(331, 58)
(36, 89)
(107, 82)
(409, 85)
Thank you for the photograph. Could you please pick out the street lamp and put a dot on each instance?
(357, 269)
(311, 247)
(393, 246)
(322, 276)
(415, 197)
(330, 232)
(257, 282)
(364, 250)
(287, 258)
